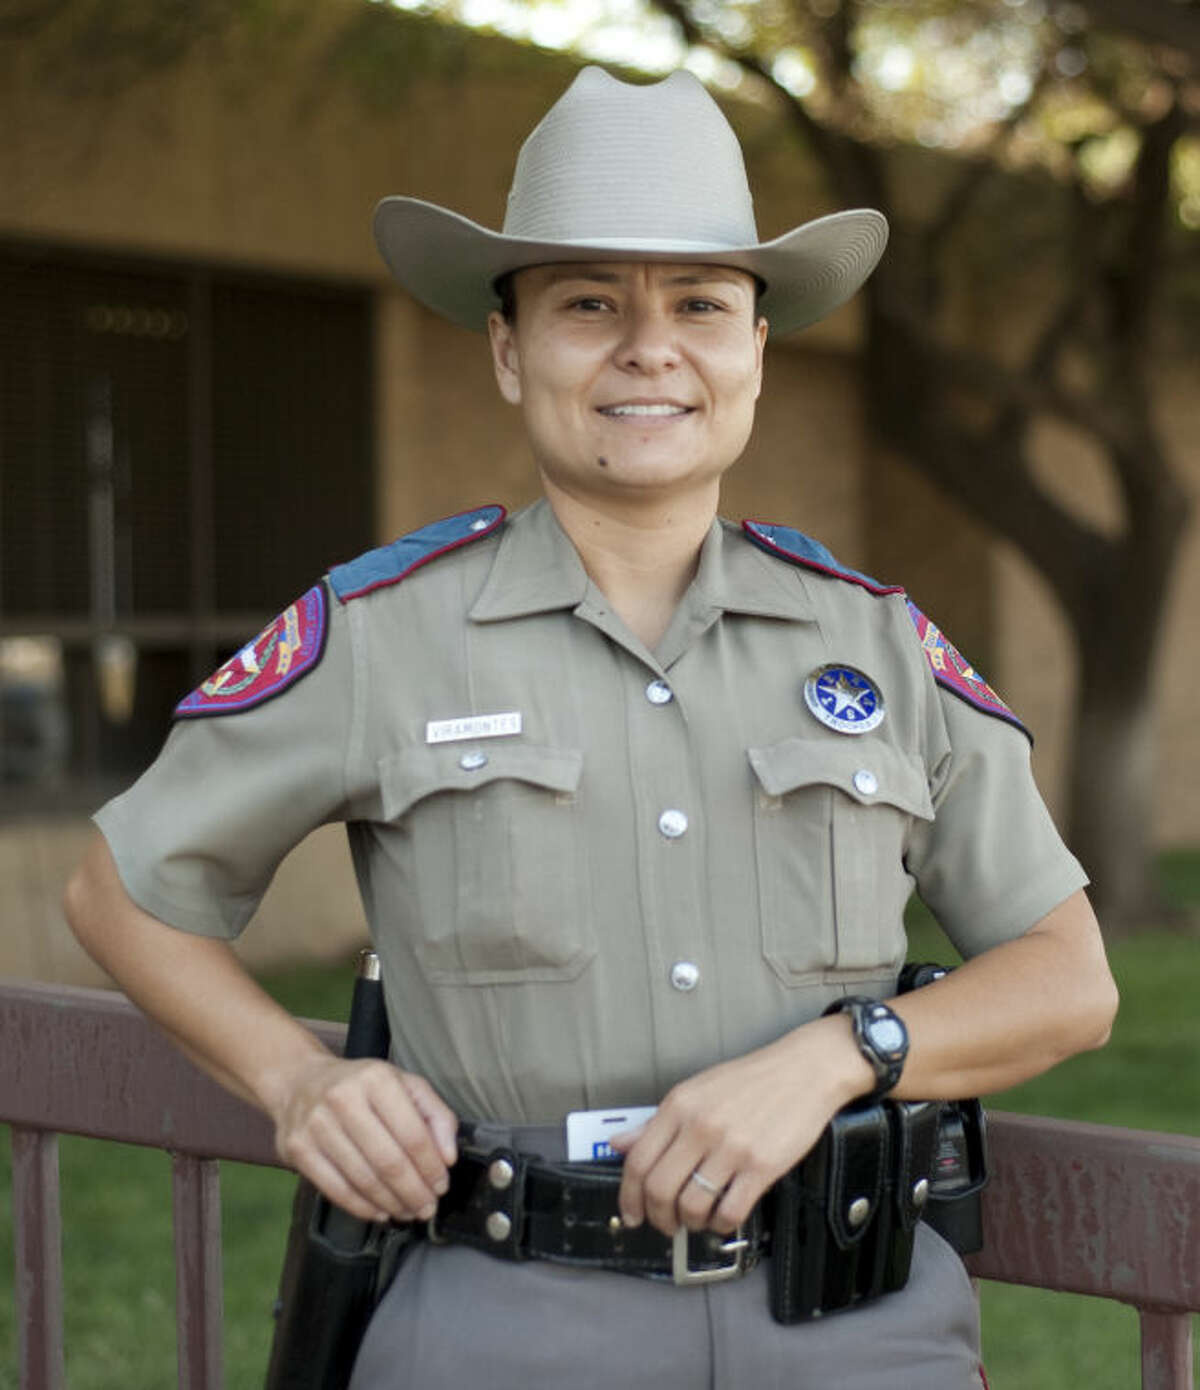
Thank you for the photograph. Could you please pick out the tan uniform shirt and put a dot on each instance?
(672, 861)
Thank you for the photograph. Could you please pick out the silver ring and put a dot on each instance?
(701, 1181)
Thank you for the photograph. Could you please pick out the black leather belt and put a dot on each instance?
(520, 1207)
(839, 1227)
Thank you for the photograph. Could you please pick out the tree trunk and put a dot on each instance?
(1111, 791)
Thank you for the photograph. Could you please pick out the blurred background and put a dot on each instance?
(210, 392)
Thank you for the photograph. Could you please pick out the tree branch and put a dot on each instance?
(960, 196)
(852, 167)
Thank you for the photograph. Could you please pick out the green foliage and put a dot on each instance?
(99, 47)
(381, 51)
(103, 45)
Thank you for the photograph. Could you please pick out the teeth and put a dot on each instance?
(644, 410)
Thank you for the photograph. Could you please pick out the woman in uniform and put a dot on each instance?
(635, 797)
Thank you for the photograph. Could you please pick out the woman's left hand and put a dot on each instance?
(722, 1137)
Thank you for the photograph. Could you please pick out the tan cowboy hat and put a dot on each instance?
(618, 171)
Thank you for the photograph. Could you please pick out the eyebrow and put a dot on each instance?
(703, 276)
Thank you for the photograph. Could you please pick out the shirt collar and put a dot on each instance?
(537, 570)
(736, 577)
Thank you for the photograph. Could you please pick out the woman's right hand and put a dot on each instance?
(375, 1140)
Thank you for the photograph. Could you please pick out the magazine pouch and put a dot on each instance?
(915, 1129)
(832, 1219)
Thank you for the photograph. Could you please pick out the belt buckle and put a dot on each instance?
(682, 1273)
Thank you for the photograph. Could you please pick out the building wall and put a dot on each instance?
(266, 141)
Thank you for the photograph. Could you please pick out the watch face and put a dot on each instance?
(887, 1035)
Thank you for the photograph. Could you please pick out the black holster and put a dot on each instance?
(336, 1268)
(335, 1271)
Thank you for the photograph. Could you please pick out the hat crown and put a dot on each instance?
(612, 161)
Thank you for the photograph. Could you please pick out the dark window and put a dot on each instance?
(182, 452)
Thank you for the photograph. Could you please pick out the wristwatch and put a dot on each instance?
(881, 1037)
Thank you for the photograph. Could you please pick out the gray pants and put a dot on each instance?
(455, 1318)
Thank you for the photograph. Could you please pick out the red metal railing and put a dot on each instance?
(1080, 1208)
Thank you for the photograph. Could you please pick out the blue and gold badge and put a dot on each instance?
(843, 699)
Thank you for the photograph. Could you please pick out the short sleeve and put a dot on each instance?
(198, 837)
(991, 863)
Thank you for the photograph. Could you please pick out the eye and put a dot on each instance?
(588, 304)
(699, 305)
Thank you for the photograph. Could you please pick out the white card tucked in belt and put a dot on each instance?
(589, 1131)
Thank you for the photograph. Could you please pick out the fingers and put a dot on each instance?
(709, 1153)
(659, 1182)
(373, 1139)
(442, 1121)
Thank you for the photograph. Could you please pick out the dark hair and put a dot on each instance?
(507, 295)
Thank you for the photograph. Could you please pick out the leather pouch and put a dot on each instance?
(915, 1128)
(955, 1208)
(831, 1221)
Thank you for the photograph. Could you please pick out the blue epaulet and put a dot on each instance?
(950, 668)
(389, 564)
(800, 549)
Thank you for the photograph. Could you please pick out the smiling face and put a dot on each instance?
(635, 379)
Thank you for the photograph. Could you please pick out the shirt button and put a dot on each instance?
(659, 693)
(672, 824)
(472, 762)
(865, 782)
(685, 975)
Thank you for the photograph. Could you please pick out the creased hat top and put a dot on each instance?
(607, 162)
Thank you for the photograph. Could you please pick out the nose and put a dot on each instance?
(648, 343)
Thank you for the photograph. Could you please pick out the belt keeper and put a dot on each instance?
(494, 1198)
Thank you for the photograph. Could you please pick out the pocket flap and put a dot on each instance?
(859, 1142)
(414, 773)
(869, 770)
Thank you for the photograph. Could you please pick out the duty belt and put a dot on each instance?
(839, 1226)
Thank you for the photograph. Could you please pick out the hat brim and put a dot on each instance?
(450, 263)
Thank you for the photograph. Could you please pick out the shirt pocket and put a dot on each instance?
(497, 856)
(831, 824)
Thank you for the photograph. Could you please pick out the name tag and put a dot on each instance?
(589, 1132)
(473, 726)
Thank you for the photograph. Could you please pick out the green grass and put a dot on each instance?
(119, 1264)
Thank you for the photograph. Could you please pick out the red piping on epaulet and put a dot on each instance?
(433, 554)
(879, 590)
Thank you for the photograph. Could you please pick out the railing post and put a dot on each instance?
(199, 1297)
(38, 1249)
(1166, 1349)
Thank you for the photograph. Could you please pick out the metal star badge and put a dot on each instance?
(844, 699)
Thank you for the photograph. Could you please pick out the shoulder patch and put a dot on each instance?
(800, 549)
(389, 564)
(284, 651)
(953, 672)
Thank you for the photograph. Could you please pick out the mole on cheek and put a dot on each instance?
(602, 461)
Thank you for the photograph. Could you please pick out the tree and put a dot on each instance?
(963, 415)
